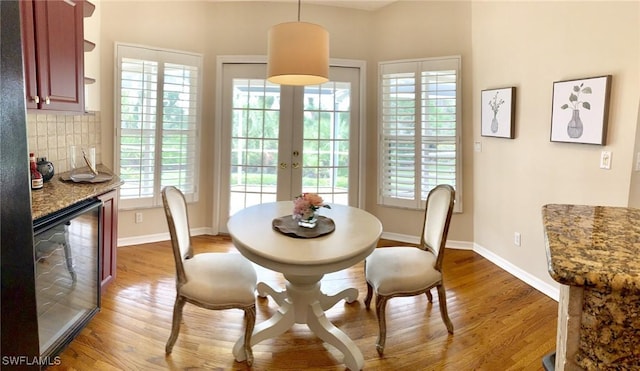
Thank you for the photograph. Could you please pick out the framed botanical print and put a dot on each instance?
(580, 110)
(498, 112)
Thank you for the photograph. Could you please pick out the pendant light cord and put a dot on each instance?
(299, 10)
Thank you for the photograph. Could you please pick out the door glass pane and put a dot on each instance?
(278, 141)
(326, 141)
(254, 143)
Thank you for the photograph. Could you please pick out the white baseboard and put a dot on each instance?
(460, 245)
(551, 291)
(150, 238)
(400, 237)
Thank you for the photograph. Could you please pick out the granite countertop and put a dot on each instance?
(596, 246)
(58, 194)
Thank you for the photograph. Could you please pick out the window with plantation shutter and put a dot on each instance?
(419, 130)
(158, 121)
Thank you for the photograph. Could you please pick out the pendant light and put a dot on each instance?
(298, 53)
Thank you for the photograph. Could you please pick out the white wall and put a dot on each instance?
(421, 29)
(530, 45)
(634, 187)
(213, 29)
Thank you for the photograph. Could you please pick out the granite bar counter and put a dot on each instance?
(58, 194)
(594, 252)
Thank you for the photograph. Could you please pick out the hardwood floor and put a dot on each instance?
(500, 322)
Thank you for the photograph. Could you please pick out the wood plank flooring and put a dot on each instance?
(500, 322)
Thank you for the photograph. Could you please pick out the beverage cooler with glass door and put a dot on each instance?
(67, 267)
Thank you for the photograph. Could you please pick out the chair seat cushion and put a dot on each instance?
(401, 270)
(220, 279)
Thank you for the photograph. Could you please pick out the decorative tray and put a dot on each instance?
(287, 225)
(87, 177)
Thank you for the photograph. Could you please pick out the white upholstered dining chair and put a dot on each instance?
(410, 270)
(208, 280)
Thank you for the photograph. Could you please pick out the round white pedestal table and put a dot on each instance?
(303, 262)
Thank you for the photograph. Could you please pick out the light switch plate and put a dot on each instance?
(605, 160)
(477, 146)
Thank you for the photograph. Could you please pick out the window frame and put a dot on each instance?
(170, 57)
(416, 67)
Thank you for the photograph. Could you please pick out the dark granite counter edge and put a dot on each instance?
(581, 275)
(58, 194)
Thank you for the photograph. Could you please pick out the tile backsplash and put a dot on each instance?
(50, 135)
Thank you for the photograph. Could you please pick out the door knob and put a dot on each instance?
(283, 165)
(295, 165)
(296, 153)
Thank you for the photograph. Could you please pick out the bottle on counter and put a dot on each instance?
(36, 177)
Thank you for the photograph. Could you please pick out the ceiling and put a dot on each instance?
(369, 5)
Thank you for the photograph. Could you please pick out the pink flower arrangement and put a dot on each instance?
(305, 204)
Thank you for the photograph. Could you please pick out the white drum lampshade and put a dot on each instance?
(298, 54)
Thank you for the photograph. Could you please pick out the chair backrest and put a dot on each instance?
(175, 208)
(437, 217)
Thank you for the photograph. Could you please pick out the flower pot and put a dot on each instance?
(309, 222)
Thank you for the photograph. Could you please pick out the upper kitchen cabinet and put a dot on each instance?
(53, 51)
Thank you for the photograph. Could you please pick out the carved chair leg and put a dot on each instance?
(381, 303)
(367, 299)
(429, 296)
(442, 297)
(175, 326)
(250, 322)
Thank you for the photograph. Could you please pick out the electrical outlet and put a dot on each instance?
(517, 238)
(605, 160)
(138, 217)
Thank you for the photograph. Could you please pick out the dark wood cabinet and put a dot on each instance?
(53, 53)
(109, 237)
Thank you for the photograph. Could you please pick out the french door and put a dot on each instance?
(279, 141)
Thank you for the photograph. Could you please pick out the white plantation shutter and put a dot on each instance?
(138, 94)
(419, 126)
(180, 127)
(158, 117)
(398, 120)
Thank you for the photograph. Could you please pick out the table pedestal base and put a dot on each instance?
(304, 303)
